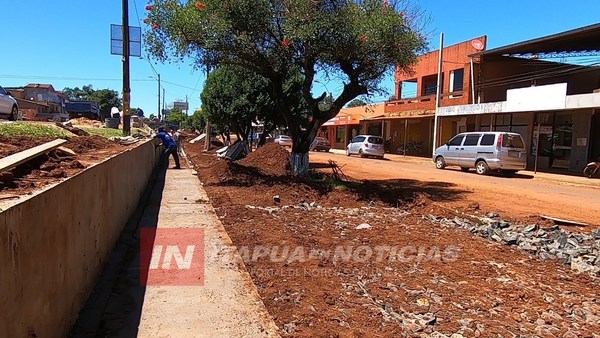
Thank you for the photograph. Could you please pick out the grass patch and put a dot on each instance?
(104, 132)
(31, 130)
(110, 132)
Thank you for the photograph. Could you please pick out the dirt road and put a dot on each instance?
(332, 258)
(525, 194)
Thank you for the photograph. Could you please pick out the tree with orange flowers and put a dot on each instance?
(357, 42)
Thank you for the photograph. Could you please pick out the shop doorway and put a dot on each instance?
(552, 139)
(595, 137)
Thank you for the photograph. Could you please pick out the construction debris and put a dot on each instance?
(580, 251)
(69, 126)
(14, 160)
(338, 174)
(563, 221)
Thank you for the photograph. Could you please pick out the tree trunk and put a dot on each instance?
(299, 160)
(299, 164)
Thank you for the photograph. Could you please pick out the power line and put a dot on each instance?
(12, 76)
(138, 18)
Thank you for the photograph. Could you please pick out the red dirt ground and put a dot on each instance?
(446, 281)
(53, 166)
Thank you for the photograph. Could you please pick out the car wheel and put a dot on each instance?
(465, 169)
(14, 114)
(481, 167)
(440, 163)
(360, 153)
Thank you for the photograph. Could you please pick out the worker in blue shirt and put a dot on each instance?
(170, 147)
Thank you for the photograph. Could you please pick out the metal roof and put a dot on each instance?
(580, 40)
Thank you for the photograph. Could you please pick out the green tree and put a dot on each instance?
(356, 103)
(175, 117)
(232, 98)
(197, 121)
(358, 41)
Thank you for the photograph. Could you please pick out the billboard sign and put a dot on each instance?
(180, 105)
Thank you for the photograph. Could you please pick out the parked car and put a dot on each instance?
(320, 144)
(283, 140)
(256, 138)
(8, 105)
(484, 151)
(366, 145)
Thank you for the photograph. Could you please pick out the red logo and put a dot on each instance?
(172, 256)
(477, 44)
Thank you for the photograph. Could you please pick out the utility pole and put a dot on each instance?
(158, 111)
(126, 88)
(207, 132)
(438, 93)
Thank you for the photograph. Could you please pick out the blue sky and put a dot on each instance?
(66, 43)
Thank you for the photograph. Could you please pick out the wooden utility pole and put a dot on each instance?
(126, 88)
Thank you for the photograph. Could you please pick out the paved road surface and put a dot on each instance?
(525, 194)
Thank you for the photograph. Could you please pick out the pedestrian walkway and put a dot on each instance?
(227, 305)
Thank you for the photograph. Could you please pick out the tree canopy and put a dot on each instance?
(176, 116)
(356, 103)
(106, 98)
(355, 41)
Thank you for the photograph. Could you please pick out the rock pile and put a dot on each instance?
(580, 251)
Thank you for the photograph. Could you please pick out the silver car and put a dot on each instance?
(8, 105)
(484, 151)
(283, 140)
(366, 145)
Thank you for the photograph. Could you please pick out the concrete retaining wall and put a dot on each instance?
(54, 244)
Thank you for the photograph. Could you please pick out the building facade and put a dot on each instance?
(40, 102)
(342, 128)
(408, 119)
(542, 90)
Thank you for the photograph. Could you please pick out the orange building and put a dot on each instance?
(342, 128)
(408, 118)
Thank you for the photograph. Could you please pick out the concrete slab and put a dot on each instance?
(228, 305)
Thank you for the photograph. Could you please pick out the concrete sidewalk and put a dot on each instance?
(228, 305)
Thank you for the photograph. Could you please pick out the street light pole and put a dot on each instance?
(158, 108)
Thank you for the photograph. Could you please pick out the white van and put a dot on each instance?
(484, 151)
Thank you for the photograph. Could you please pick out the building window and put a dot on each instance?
(430, 89)
(457, 77)
(340, 135)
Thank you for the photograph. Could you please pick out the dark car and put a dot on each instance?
(320, 144)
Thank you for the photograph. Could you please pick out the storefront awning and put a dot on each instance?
(343, 120)
(382, 118)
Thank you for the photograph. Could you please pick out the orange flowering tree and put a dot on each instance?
(357, 42)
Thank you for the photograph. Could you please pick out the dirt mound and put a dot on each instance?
(83, 121)
(15, 144)
(270, 159)
(84, 144)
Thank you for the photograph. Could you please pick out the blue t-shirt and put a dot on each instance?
(167, 140)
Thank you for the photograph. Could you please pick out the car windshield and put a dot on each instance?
(512, 141)
(375, 140)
